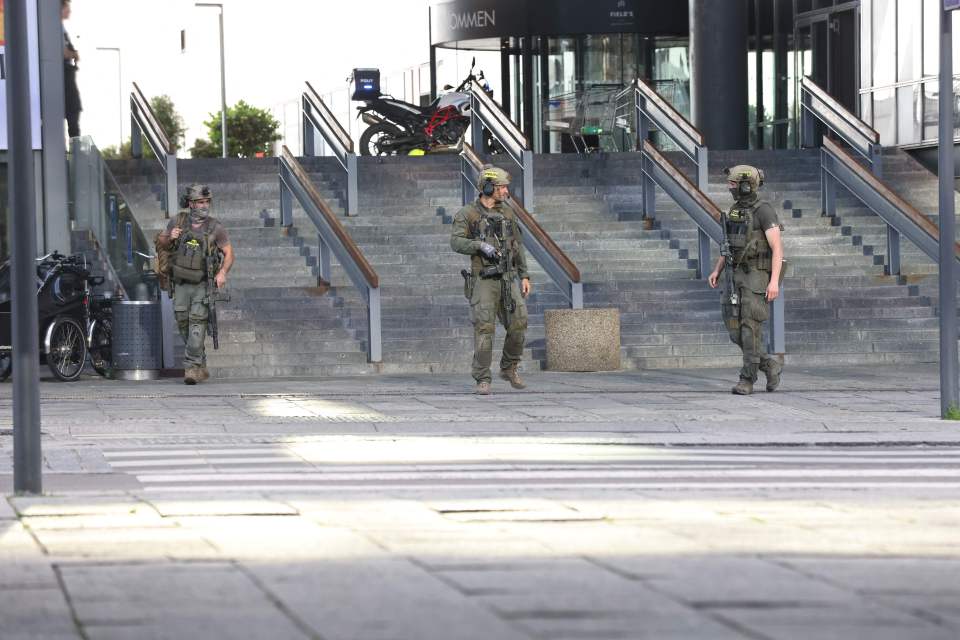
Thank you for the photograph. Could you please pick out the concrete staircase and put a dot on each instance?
(841, 307)
(278, 321)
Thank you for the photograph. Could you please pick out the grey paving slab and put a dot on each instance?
(381, 599)
(886, 576)
(6, 511)
(38, 612)
(834, 623)
(167, 599)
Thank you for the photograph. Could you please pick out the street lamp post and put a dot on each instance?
(119, 88)
(223, 82)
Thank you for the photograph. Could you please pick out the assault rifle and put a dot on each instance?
(213, 262)
(503, 266)
(731, 292)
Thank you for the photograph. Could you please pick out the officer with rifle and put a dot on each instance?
(498, 282)
(752, 263)
(201, 258)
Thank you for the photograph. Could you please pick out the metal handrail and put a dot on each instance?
(536, 240)
(839, 166)
(143, 122)
(318, 116)
(652, 110)
(332, 238)
(484, 112)
(707, 215)
(817, 103)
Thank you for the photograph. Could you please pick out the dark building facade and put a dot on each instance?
(732, 66)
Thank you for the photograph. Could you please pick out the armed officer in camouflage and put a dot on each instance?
(497, 283)
(194, 239)
(754, 235)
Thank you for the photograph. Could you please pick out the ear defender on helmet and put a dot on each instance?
(487, 187)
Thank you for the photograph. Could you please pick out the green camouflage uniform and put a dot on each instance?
(190, 300)
(484, 294)
(747, 222)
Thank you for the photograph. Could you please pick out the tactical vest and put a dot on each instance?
(480, 228)
(189, 259)
(747, 242)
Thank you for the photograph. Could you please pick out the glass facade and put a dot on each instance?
(900, 60)
(582, 74)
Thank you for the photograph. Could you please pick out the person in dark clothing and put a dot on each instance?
(71, 94)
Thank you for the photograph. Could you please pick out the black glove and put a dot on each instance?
(488, 249)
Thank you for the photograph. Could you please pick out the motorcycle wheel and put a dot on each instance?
(101, 355)
(371, 138)
(68, 349)
(6, 365)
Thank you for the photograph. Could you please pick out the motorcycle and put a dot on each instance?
(398, 127)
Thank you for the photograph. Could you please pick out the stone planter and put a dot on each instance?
(583, 339)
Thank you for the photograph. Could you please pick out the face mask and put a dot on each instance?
(200, 213)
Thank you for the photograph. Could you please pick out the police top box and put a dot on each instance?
(366, 84)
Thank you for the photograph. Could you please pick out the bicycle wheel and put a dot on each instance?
(68, 349)
(101, 355)
(6, 365)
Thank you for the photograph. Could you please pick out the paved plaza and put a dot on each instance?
(647, 504)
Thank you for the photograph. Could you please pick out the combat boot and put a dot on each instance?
(743, 388)
(512, 376)
(202, 374)
(483, 389)
(191, 375)
(772, 371)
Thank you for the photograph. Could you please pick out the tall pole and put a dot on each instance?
(223, 78)
(223, 90)
(119, 88)
(949, 388)
(27, 457)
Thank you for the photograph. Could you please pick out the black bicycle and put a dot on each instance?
(73, 322)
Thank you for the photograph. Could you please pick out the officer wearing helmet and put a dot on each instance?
(754, 235)
(498, 282)
(192, 239)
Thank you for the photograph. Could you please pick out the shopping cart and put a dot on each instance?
(591, 118)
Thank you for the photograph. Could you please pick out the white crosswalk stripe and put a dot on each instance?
(279, 467)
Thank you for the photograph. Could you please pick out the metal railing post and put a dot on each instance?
(825, 178)
(528, 180)
(466, 187)
(777, 332)
(172, 203)
(807, 128)
(323, 260)
(893, 251)
(576, 295)
(374, 346)
(352, 189)
(286, 205)
(309, 147)
(893, 236)
(136, 134)
(476, 127)
(648, 196)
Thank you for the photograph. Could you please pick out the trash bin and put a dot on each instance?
(137, 341)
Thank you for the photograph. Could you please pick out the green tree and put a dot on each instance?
(204, 149)
(169, 119)
(250, 130)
